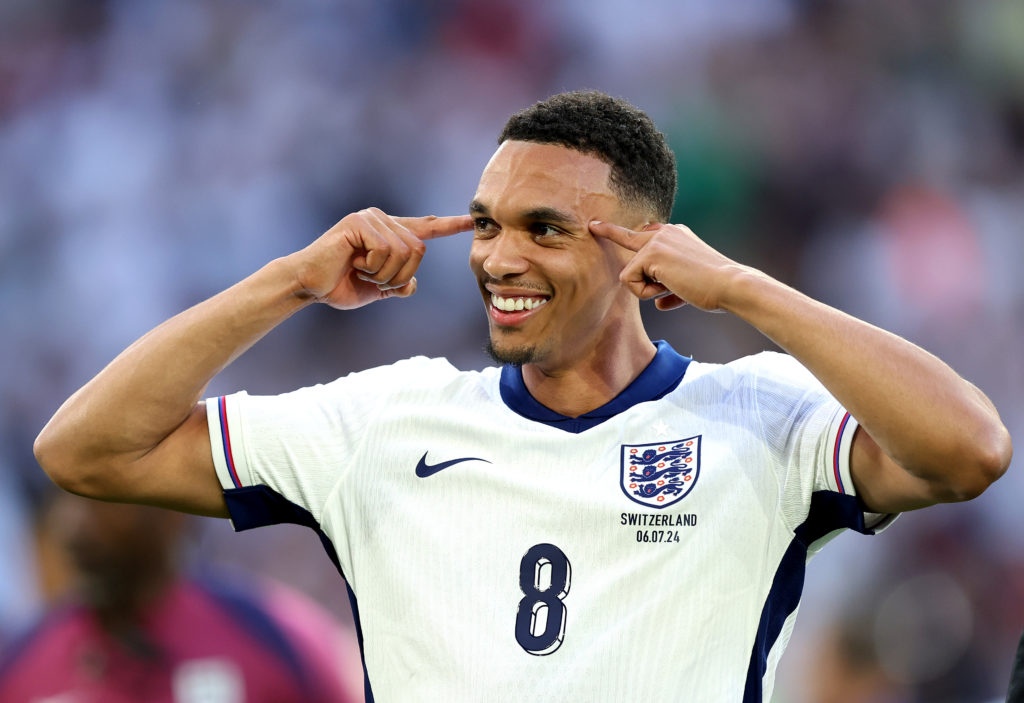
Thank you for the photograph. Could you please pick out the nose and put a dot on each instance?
(503, 255)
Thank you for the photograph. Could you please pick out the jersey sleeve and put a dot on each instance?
(809, 436)
(278, 458)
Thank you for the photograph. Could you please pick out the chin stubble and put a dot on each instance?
(516, 355)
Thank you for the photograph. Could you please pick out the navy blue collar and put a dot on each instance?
(662, 375)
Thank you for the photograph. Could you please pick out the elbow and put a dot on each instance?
(994, 456)
(61, 464)
(990, 459)
(997, 456)
(52, 460)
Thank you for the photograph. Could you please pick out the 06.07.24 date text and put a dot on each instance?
(657, 535)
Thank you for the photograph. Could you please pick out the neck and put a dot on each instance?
(591, 381)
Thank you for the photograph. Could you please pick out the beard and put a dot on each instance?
(517, 355)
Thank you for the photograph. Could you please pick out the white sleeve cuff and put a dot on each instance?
(838, 476)
(223, 417)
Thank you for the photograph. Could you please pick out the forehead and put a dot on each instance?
(526, 174)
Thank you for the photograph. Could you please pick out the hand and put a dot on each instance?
(671, 265)
(368, 256)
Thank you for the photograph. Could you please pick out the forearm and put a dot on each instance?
(924, 416)
(137, 433)
(930, 436)
(144, 394)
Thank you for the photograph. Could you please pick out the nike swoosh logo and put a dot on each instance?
(423, 469)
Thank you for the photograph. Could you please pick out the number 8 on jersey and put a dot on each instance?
(544, 575)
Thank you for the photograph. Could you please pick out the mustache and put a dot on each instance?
(525, 285)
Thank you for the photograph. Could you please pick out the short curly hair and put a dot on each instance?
(643, 167)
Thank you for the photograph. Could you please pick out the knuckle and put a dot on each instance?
(400, 248)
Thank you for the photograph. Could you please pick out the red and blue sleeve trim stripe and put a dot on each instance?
(835, 452)
(225, 437)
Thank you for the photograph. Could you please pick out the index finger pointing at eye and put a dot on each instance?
(622, 236)
(432, 227)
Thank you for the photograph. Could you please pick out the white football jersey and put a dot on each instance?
(653, 549)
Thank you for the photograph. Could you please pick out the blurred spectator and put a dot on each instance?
(135, 630)
(937, 622)
(848, 669)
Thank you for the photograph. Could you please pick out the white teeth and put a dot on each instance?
(513, 304)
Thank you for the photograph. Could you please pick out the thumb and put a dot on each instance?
(401, 292)
(671, 301)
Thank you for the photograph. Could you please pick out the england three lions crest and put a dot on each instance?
(662, 473)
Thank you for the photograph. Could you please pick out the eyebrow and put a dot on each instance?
(537, 214)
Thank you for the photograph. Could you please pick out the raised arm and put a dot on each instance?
(926, 434)
(137, 431)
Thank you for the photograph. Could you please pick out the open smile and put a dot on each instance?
(511, 310)
(513, 304)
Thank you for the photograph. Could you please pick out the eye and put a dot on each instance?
(541, 229)
(484, 227)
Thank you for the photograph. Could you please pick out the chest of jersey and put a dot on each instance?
(513, 551)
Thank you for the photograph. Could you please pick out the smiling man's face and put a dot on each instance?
(551, 288)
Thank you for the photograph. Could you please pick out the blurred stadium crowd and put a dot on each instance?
(869, 152)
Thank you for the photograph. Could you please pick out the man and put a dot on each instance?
(599, 519)
(134, 628)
